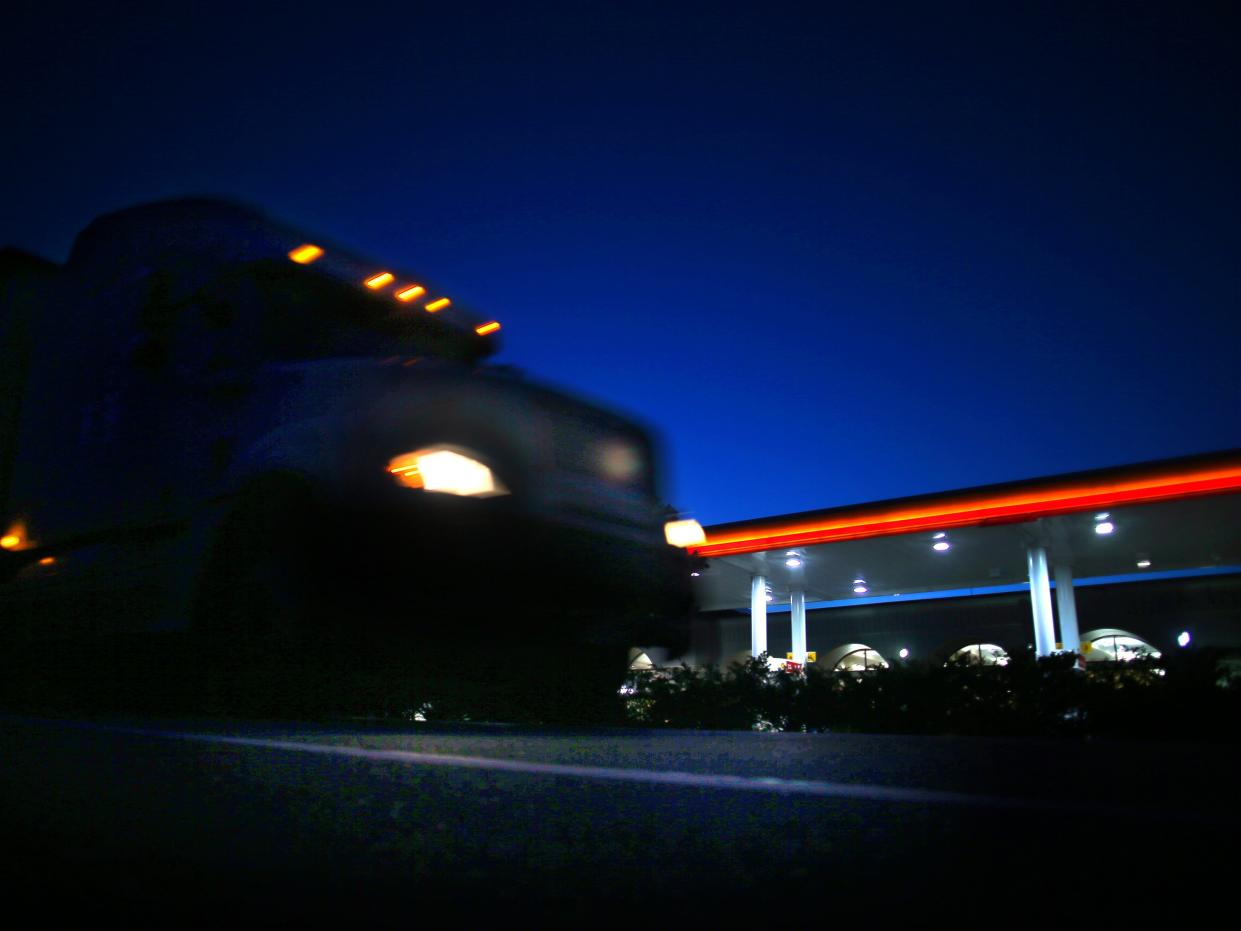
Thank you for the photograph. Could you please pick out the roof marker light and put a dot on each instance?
(484, 328)
(437, 305)
(1104, 527)
(305, 254)
(941, 546)
(411, 292)
(383, 279)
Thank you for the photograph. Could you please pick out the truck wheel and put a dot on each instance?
(589, 682)
(566, 683)
(263, 616)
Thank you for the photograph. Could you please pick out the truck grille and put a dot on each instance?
(601, 451)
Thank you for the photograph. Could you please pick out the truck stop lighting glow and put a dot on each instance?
(966, 510)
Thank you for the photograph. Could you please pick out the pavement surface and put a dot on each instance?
(180, 822)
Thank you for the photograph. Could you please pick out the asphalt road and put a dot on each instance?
(182, 821)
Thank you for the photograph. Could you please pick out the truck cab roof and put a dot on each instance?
(186, 249)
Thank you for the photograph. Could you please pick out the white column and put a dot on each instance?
(798, 602)
(1066, 602)
(758, 615)
(1040, 601)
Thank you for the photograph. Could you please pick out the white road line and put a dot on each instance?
(717, 781)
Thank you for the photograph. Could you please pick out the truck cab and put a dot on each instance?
(236, 432)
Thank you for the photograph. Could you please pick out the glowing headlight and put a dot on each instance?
(684, 533)
(445, 470)
(619, 461)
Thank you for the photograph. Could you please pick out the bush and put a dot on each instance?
(1183, 696)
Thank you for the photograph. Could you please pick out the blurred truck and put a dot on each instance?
(244, 470)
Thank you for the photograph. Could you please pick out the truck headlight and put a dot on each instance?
(684, 533)
(619, 461)
(446, 469)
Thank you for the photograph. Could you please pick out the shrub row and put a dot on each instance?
(1181, 696)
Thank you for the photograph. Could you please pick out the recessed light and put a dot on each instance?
(695, 574)
(793, 562)
(941, 545)
(1144, 563)
(1102, 515)
(1183, 638)
(939, 536)
(904, 653)
(861, 589)
(1104, 527)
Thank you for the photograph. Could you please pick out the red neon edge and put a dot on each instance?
(1012, 507)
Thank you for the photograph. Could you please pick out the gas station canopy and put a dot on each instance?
(1154, 520)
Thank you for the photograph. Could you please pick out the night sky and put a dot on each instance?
(832, 252)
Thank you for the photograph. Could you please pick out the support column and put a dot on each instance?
(1040, 601)
(758, 615)
(798, 603)
(1066, 603)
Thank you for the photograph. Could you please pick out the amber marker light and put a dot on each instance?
(410, 293)
(438, 305)
(10, 541)
(405, 468)
(47, 561)
(382, 280)
(305, 254)
(484, 328)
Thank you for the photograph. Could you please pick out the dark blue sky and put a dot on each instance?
(833, 252)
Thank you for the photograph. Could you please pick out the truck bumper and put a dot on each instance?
(467, 564)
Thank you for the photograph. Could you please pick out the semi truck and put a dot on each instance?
(243, 469)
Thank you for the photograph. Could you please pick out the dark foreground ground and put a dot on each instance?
(178, 822)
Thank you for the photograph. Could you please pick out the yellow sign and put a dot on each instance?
(812, 656)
